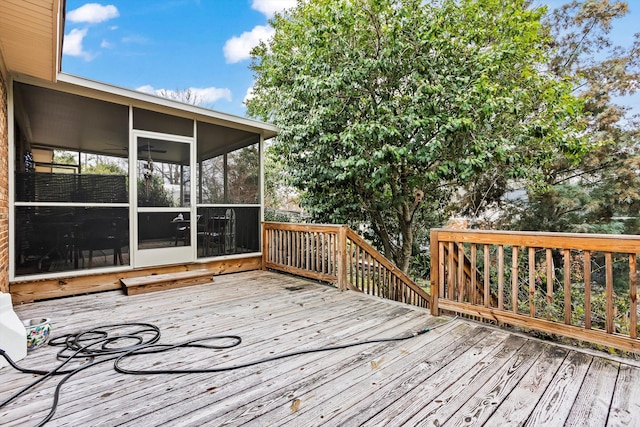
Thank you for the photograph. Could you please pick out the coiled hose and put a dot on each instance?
(119, 341)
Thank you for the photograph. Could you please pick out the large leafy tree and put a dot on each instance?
(387, 107)
(587, 196)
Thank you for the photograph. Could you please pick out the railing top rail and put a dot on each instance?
(352, 235)
(594, 242)
(293, 226)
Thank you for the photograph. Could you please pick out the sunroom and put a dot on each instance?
(104, 180)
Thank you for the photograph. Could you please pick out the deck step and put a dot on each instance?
(161, 282)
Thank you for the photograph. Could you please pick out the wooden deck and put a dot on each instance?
(460, 374)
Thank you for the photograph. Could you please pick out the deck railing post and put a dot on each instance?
(342, 258)
(265, 246)
(435, 277)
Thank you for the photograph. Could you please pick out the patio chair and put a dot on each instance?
(98, 234)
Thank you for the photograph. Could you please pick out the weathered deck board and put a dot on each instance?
(460, 374)
(409, 379)
(449, 400)
(523, 399)
(625, 406)
(596, 392)
(246, 380)
(557, 400)
(477, 407)
(162, 282)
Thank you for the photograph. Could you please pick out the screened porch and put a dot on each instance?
(105, 181)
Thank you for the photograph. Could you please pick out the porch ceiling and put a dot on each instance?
(52, 118)
(30, 41)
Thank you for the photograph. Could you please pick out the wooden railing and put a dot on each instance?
(580, 286)
(372, 273)
(336, 254)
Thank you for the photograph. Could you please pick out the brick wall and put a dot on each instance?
(4, 189)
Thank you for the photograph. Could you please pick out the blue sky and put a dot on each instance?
(202, 45)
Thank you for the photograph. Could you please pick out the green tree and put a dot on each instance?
(104, 166)
(387, 106)
(243, 175)
(151, 192)
(587, 196)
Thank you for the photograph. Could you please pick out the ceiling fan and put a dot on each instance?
(142, 148)
(150, 148)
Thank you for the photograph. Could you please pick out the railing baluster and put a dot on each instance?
(633, 306)
(372, 285)
(487, 275)
(532, 282)
(358, 266)
(474, 273)
(441, 269)
(451, 275)
(294, 243)
(587, 289)
(374, 277)
(549, 260)
(333, 250)
(274, 243)
(329, 253)
(461, 281)
(300, 249)
(609, 292)
(500, 277)
(278, 249)
(514, 279)
(567, 286)
(323, 253)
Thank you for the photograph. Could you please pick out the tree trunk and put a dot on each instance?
(403, 260)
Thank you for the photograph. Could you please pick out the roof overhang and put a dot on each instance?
(31, 37)
(86, 115)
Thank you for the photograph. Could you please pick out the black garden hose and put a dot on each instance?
(97, 346)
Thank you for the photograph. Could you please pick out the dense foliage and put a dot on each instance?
(601, 193)
(388, 107)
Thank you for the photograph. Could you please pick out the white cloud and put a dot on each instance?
(93, 13)
(72, 44)
(238, 49)
(105, 44)
(270, 7)
(209, 95)
(146, 89)
(249, 95)
(201, 96)
(135, 39)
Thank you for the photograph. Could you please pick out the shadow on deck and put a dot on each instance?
(462, 373)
